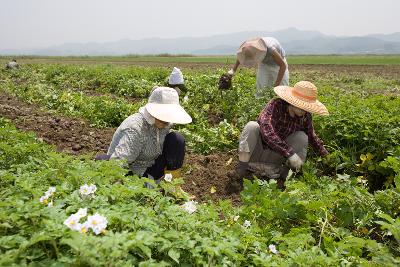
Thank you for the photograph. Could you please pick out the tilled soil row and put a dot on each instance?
(77, 137)
(384, 71)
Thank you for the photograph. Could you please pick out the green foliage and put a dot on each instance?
(105, 95)
(317, 221)
(327, 216)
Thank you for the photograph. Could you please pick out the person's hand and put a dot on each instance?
(231, 72)
(295, 162)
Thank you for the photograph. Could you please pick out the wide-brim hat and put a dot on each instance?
(163, 104)
(303, 95)
(252, 52)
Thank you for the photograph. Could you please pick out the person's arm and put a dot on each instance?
(282, 66)
(129, 146)
(267, 130)
(234, 69)
(313, 139)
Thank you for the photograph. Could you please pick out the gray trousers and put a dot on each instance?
(250, 142)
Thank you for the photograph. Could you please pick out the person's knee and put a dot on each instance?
(174, 150)
(248, 137)
(175, 138)
(252, 127)
(298, 140)
(302, 138)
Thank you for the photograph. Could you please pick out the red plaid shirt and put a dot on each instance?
(276, 125)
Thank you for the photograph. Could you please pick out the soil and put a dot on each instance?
(77, 137)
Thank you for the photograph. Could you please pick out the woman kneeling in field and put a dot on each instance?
(144, 138)
(280, 137)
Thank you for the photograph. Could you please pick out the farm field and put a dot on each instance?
(56, 114)
(200, 61)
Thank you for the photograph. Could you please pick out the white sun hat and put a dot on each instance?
(303, 95)
(163, 104)
(176, 77)
(252, 52)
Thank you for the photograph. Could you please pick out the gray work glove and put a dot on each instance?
(271, 171)
(295, 162)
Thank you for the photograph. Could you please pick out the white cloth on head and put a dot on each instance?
(176, 77)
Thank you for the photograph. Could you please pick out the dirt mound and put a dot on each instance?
(205, 176)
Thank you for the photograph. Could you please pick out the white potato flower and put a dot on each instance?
(247, 224)
(84, 227)
(86, 190)
(81, 213)
(72, 222)
(190, 206)
(97, 223)
(168, 177)
(44, 200)
(50, 191)
(92, 188)
(272, 249)
(235, 218)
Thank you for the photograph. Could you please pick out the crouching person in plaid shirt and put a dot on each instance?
(279, 139)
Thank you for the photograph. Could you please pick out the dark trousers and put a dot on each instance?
(171, 158)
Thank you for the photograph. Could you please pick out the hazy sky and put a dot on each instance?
(41, 23)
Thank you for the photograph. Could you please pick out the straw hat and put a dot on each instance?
(176, 76)
(163, 104)
(252, 52)
(303, 95)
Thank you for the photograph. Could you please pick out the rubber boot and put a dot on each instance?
(235, 183)
(282, 178)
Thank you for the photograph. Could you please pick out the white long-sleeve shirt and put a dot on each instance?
(138, 141)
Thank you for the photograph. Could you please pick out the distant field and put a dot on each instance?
(346, 60)
(310, 59)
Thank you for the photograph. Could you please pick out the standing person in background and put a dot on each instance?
(280, 137)
(176, 81)
(268, 54)
(12, 65)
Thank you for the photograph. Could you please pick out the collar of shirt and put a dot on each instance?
(150, 119)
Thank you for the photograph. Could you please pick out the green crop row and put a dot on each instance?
(315, 222)
(363, 108)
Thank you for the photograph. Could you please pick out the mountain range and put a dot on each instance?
(294, 41)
